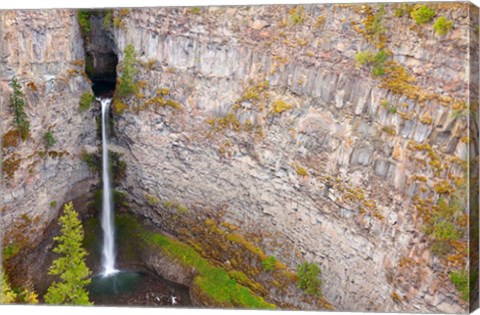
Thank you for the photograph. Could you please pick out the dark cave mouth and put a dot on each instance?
(103, 87)
(101, 58)
(101, 68)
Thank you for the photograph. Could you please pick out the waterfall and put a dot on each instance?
(108, 251)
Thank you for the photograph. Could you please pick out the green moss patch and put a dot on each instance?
(213, 282)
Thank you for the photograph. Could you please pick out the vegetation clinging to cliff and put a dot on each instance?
(126, 85)
(309, 278)
(460, 279)
(84, 20)
(17, 103)
(422, 14)
(442, 26)
(49, 139)
(86, 99)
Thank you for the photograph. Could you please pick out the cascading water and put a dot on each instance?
(108, 252)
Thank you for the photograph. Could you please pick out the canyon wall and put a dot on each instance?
(261, 118)
(43, 50)
(334, 176)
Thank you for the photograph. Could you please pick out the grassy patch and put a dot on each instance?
(49, 139)
(269, 263)
(92, 160)
(460, 280)
(119, 107)
(213, 281)
(281, 106)
(10, 250)
(301, 171)
(86, 100)
(84, 20)
(297, 15)
(375, 61)
(309, 278)
(152, 200)
(442, 26)
(422, 14)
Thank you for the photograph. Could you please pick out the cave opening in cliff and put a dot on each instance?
(100, 53)
(101, 69)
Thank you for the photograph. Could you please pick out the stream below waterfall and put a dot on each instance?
(137, 289)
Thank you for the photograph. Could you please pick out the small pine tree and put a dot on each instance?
(71, 266)
(126, 85)
(49, 139)
(17, 103)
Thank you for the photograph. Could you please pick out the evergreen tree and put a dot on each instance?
(17, 103)
(71, 266)
(126, 82)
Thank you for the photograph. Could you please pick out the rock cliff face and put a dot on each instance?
(43, 50)
(334, 179)
(261, 118)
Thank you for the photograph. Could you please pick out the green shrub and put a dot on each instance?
(49, 139)
(93, 161)
(309, 278)
(17, 104)
(126, 84)
(422, 14)
(10, 250)
(364, 57)
(53, 204)
(377, 61)
(392, 109)
(152, 200)
(84, 20)
(374, 27)
(297, 15)
(86, 99)
(269, 263)
(280, 106)
(403, 9)
(443, 225)
(460, 280)
(107, 20)
(442, 26)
